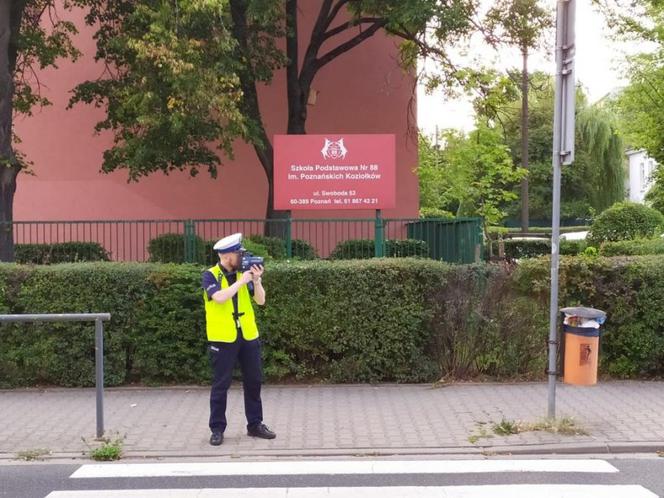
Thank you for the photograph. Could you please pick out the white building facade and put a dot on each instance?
(640, 171)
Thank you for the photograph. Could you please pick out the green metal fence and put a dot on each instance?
(459, 241)
(456, 241)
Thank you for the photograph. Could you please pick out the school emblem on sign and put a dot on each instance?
(334, 149)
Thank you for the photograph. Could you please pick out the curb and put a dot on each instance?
(609, 448)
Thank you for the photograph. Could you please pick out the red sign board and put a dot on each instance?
(334, 172)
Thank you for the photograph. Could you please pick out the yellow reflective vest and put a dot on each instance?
(219, 320)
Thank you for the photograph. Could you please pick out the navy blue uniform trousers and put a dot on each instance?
(223, 357)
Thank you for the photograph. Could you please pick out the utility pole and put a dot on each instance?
(563, 154)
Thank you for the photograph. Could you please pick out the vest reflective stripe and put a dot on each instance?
(219, 320)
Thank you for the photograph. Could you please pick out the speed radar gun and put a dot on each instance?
(248, 260)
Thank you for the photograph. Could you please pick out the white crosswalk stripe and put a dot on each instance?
(326, 467)
(490, 491)
(593, 469)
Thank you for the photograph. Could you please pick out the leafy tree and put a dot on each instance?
(32, 36)
(432, 178)
(602, 156)
(596, 179)
(189, 70)
(655, 196)
(525, 25)
(470, 175)
(173, 88)
(640, 105)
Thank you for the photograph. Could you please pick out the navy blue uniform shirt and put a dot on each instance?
(212, 285)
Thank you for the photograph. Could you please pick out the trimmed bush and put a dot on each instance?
(638, 247)
(167, 342)
(533, 248)
(435, 213)
(354, 249)
(169, 248)
(408, 248)
(572, 247)
(625, 221)
(64, 353)
(256, 249)
(365, 248)
(275, 246)
(317, 326)
(301, 249)
(526, 248)
(63, 252)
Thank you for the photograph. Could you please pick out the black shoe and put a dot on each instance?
(216, 438)
(262, 431)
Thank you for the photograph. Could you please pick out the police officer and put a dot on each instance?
(233, 335)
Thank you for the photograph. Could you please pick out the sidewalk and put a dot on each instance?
(337, 420)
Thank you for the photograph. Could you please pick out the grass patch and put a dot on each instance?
(109, 450)
(506, 428)
(34, 454)
(565, 426)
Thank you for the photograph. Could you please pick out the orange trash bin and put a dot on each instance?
(581, 357)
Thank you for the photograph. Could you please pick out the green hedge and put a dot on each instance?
(404, 320)
(548, 230)
(629, 289)
(527, 248)
(638, 247)
(63, 353)
(495, 232)
(63, 252)
(572, 247)
(531, 248)
(365, 248)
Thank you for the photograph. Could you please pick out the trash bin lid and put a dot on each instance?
(584, 312)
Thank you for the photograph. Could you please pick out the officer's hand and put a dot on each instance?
(246, 277)
(257, 271)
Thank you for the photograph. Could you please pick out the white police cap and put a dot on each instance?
(232, 243)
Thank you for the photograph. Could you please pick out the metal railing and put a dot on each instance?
(454, 241)
(99, 319)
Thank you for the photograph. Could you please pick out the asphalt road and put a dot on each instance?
(639, 476)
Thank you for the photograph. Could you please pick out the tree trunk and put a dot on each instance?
(298, 86)
(250, 105)
(7, 189)
(297, 113)
(10, 18)
(298, 81)
(524, 142)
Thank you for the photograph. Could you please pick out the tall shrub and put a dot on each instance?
(625, 221)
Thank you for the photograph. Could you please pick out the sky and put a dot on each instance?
(598, 60)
